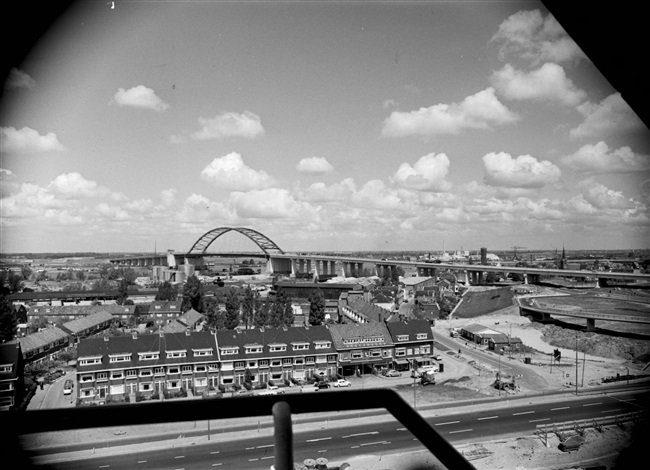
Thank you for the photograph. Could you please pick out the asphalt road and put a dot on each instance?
(386, 436)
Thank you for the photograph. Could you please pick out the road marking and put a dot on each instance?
(374, 443)
(253, 460)
(104, 466)
(522, 413)
(537, 420)
(448, 422)
(262, 447)
(142, 461)
(216, 464)
(319, 439)
(463, 430)
(179, 457)
(214, 452)
(400, 429)
(611, 411)
(362, 434)
(487, 417)
(269, 457)
(321, 451)
(592, 404)
(561, 408)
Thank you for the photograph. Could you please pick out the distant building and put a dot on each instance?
(362, 347)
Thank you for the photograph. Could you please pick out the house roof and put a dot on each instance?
(266, 337)
(414, 281)
(134, 344)
(42, 338)
(82, 324)
(368, 310)
(412, 328)
(351, 335)
(82, 310)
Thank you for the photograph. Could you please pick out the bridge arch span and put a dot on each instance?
(267, 245)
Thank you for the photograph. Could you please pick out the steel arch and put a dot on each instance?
(266, 244)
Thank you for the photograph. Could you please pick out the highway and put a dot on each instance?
(375, 436)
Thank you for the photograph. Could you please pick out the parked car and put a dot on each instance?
(322, 385)
(67, 387)
(342, 383)
(275, 389)
(438, 357)
(393, 373)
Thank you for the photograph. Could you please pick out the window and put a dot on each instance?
(117, 374)
(159, 371)
(145, 373)
(213, 367)
(300, 346)
(102, 376)
(323, 344)
(144, 386)
(287, 362)
(6, 367)
(264, 363)
(175, 354)
(402, 337)
(173, 370)
(117, 389)
(229, 351)
(131, 374)
(119, 358)
(422, 336)
(174, 384)
(399, 352)
(201, 382)
(6, 387)
(240, 365)
(201, 368)
(86, 378)
(299, 361)
(277, 347)
(202, 352)
(254, 348)
(87, 393)
(357, 354)
(186, 369)
(88, 361)
(425, 349)
(276, 362)
(148, 356)
(310, 359)
(331, 358)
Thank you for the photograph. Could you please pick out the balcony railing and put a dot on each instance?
(281, 407)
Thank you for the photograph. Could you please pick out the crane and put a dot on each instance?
(515, 248)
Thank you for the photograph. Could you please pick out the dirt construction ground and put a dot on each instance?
(464, 378)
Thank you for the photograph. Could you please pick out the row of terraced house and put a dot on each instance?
(146, 365)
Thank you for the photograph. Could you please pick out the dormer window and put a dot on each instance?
(402, 337)
(253, 348)
(322, 344)
(148, 356)
(176, 354)
(277, 347)
(422, 336)
(300, 346)
(229, 351)
(202, 352)
(124, 357)
(90, 360)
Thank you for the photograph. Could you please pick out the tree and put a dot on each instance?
(262, 312)
(215, 318)
(192, 294)
(167, 291)
(276, 313)
(81, 275)
(26, 272)
(232, 310)
(11, 282)
(122, 292)
(8, 319)
(316, 307)
(248, 307)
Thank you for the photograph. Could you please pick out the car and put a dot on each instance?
(67, 387)
(437, 357)
(342, 383)
(393, 373)
(322, 385)
(275, 389)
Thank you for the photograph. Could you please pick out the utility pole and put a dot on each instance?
(576, 363)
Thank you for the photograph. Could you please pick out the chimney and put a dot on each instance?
(106, 338)
(187, 332)
(134, 334)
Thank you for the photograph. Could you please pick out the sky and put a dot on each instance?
(339, 126)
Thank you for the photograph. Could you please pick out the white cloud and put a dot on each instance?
(168, 196)
(320, 192)
(230, 172)
(73, 185)
(314, 165)
(602, 197)
(599, 158)
(375, 194)
(112, 212)
(140, 97)
(270, 203)
(19, 79)
(612, 115)
(428, 173)
(530, 35)
(27, 140)
(479, 111)
(245, 125)
(524, 171)
(548, 83)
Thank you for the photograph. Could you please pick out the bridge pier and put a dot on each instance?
(591, 324)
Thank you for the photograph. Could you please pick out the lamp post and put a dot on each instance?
(576, 363)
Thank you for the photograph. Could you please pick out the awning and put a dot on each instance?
(423, 359)
(400, 361)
